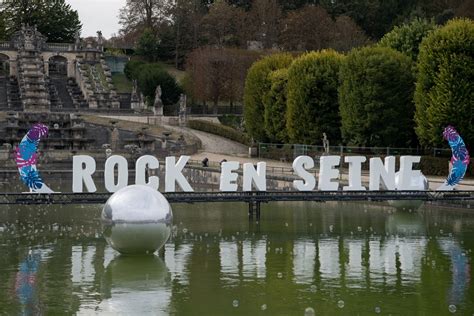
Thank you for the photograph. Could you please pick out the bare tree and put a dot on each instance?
(141, 14)
(263, 22)
(218, 74)
(308, 28)
(223, 25)
(347, 34)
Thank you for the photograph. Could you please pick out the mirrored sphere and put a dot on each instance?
(137, 220)
(420, 182)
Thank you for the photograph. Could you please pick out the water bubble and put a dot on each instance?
(263, 307)
(452, 308)
(313, 288)
(359, 228)
(286, 224)
(185, 230)
(309, 311)
(340, 304)
(331, 227)
(235, 303)
(378, 310)
(279, 275)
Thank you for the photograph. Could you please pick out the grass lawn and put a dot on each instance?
(177, 74)
(121, 83)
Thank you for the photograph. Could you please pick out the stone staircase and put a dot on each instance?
(59, 94)
(54, 99)
(3, 92)
(32, 82)
(75, 93)
(13, 95)
(95, 81)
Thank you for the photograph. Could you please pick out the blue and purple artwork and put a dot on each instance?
(26, 159)
(459, 160)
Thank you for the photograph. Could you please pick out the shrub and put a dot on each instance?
(148, 45)
(312, 97)
(375, 98)
(257, 84)
(220, 130)
(231, 120)
(444, 90)
(150, 77)
(435, 166)
(407, 38)
(131, 69)
(274, 102)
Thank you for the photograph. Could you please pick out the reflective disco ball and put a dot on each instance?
(420, 182)
(137, 220)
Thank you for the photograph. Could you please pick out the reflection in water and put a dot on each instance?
(253, 259)
(137, 238)
(145, 281)
(309, 257)
(304, 256)
(26, 283)
(460, 267)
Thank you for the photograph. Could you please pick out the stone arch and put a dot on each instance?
(4, 65)
(58, 66)
(70, 57)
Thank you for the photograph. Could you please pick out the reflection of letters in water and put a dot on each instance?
(391, 261)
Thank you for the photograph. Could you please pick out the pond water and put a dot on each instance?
(336, 258)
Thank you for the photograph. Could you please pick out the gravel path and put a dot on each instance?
(212, 143)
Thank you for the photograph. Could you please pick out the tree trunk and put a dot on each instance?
(216, 106)
(178, 34)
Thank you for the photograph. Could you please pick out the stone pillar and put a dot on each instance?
(114, 139)
(71, 69)
(46, 67)
(182, 110)
(14, 67)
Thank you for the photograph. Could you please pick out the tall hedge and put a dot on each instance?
(375, 98)
(445, 84)
(275, 107)
(149, 77)
(257, 83)
(407, 38)
(312, 98)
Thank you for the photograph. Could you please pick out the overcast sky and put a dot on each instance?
(98, 15)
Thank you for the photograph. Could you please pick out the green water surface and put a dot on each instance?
(337, 258)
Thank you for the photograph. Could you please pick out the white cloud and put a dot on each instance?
(98, 15)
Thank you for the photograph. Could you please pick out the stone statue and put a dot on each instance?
(182, 110)
(325, 143)
(135, 86)
(158, 105)
(114, 137)
(77, 41)
(100, 40)
(182, 103)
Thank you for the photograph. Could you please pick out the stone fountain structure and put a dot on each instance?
(38, 76)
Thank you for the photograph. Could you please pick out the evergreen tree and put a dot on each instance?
(445, 84)
(55, 19)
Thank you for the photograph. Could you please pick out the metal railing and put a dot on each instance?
(59, 47)
(5, 45)
(287, 152)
